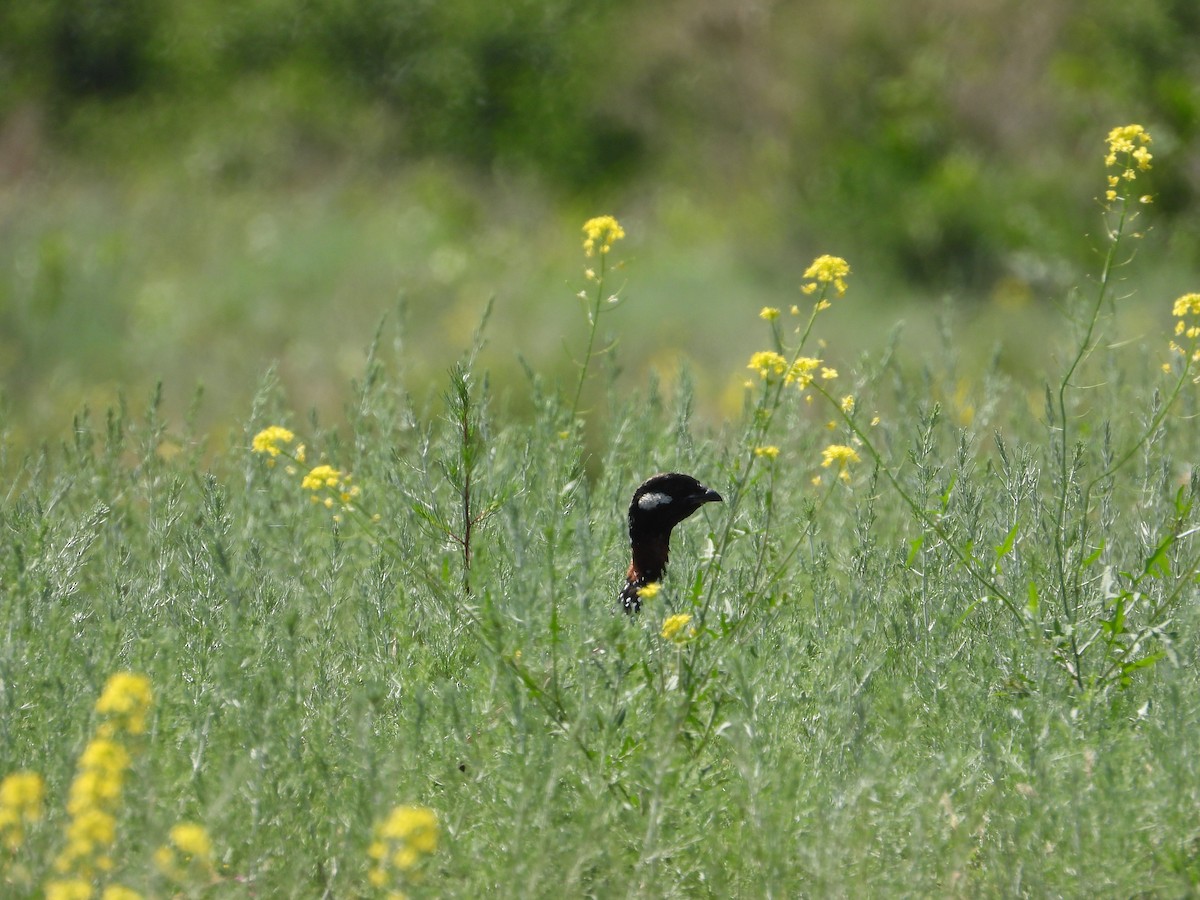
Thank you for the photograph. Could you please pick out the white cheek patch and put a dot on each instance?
(654, 499)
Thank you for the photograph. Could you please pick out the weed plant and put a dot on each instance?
(930, 645)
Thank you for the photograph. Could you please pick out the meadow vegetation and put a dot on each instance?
(937, 641)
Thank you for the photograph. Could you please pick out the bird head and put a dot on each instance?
(662, 502)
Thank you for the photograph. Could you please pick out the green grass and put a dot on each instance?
(111, 283)
(873, 703)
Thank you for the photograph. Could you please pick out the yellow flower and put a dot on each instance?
(321, 476)
(828, 374)
(417, 826)
(104, 757)
(21, 796)
(188, 853)
(192, 839)
(768, 364)
(90, 830)
(408, 834)
(1187, 305)
(23, 792)
(768, 313)
(827, 270)
(268, 440)
(801, 372)
(1127, 150)
(93, 788)
(795, 310)
(649, 591)
(126, 700)
(119, 892)
(847, 403)
(69, 889)
(1124, 138)
(600, 234)
(838, 454)
(769, 452)
(674, 625)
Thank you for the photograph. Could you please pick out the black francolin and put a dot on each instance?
(659, 504)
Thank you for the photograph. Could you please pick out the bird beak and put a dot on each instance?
(710, 496)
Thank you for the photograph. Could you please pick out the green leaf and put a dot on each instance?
(1144, 662)
(1006, 548)
(1158, 564)
(914, 548)
(945, 498)
(1116, 625)
(1095, 556)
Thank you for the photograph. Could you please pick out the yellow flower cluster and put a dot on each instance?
(268, 440)
(801, 372)
(124, 703)
(768, 314)
(95, 793)
(841, 456)
(334, 483)
(770, 452)
(321, 476)
(188, 853)
(81, 889)
(768, 364)
(21, 796)
(1187, 305)
(672, 629)
(600, 234)
(330, 487)
(1127, 152)
(826, 270)
(771, 365)
(402, 840)
(649, 591)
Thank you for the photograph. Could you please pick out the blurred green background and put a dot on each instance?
(194, 192)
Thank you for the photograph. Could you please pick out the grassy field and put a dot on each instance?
(942, 634)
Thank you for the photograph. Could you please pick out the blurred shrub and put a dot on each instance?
(482, 82)
(935, 137)
(486, 82)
